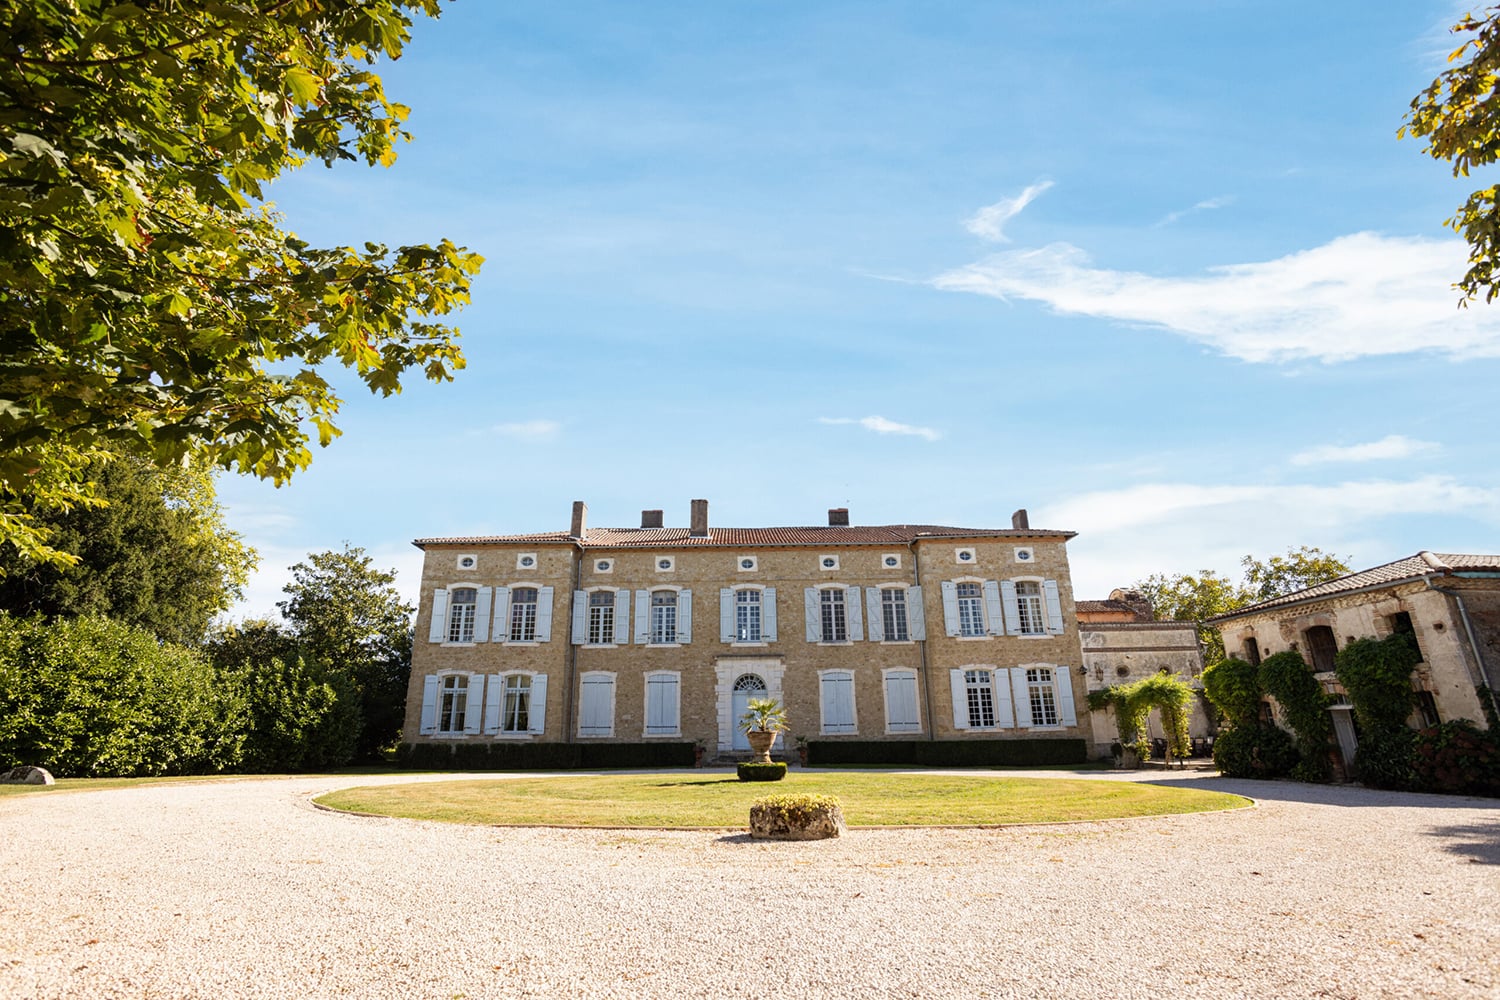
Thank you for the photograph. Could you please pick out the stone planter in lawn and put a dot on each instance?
(796, 817)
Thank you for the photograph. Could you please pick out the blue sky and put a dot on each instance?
(1158, 271)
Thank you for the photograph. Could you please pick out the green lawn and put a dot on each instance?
(712, 800)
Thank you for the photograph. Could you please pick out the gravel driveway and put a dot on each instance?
(243, 889)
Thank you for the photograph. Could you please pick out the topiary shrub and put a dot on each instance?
(796, 817)
(774, 771)
(1234, 688)
(1254, 751)
(1285, 676)
(1456, 758)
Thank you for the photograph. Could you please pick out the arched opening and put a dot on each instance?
(746, 687)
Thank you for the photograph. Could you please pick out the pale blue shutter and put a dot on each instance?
(768, 614)
(502, 614)
(482, 615)
(1062, 678)
(1023, 697)
(877, 618)
(1012, 606)
(538, 714)
(642, 616)
(992, 608)
(727, 631)
(856, 620)
(580, 618)
(814, 621)
(685, 616)
(437, 629)
(661, 705)
(474, 705)
(916, 615)
(544, 614)
(494, 693)
(622, 617)
(428, 724)
(901, 703)
(960, 693)
(838, 703)
(1004, 717)
(950, 608)
(595, 701)
(1054, 607)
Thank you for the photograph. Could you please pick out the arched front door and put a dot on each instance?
(746, 687)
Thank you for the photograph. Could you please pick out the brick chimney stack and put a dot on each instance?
(1020, 521)
(699, 527)
(580, 519)
(651, 518)
(838, 517)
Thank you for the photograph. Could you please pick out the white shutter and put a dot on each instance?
(493, 695)
(726, 615)
(580, 618)
(596, 705)
(502, 614)
(992, 619)
(622, 617)
(768, 614)
(838, 703)
(642, 616)
(482, 615)
(950, 608)
(685, 616)
(474, 705)
(814, 622)
(960, 695)
(661, 705)
(916, 616)
(428, 722)
(1062, 677)
(544, 614)
(437, 629)
(538, 716)
(1012, 607)
(1054, 607)
(855, 619)
(1023, 697)
(877, 619)
(1004, 717)
(901, 703)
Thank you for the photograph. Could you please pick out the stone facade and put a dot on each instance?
(661, 634)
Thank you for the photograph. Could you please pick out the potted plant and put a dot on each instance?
(802, 750)
(698, 749)
(763, 720)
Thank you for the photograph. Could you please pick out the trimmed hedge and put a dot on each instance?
(774, 771)
(949, 753)
(482, 756)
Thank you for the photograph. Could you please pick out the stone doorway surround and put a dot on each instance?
(727, 670)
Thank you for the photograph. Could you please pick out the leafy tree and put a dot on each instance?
(158, 555)
(150, 301)
(1459, 116)
(299, 715)
(1297, 570)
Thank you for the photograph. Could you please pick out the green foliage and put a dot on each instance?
(1386, 758)
(87, 697)
(1285, 676)
(1254, 751)
(1376, 673)
(950, 753)
(158, 556)
(1173, 698)
(796, 809)
(763, 715)
(1457, 758)
(1299, 569)
(152, 303)
(1233, 686)
(1458, 116)
(751, 771)
(298, 716)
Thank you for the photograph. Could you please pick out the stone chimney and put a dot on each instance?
(1020, 521)
(699, 527)
(838, 517)
(580, 519)
(651, 518)
(1135, 601)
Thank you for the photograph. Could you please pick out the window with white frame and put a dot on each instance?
(601, 628)
(901, 702)
(453, 702)
(893, 622)
(1029, 607)
(662, 704)
(1041, 689)
(747, 607)
(834, 615)
(970, 609)
(461, 604)
(515, 708)
(523, 602)
(663, 616)
(596, 704)
(979, 690)
(836, 688)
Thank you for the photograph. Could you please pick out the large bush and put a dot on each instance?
(1234, 688)
(1377, 675)
(1254, 751)
(1457, 758)
(298, 716)
(1285, 676)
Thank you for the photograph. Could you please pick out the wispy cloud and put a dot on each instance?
(1358, 296)
(880, 425)
(1391, 446)
(529, 430)
(1206, 205)
(989, 222)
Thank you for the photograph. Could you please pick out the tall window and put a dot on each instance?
(1252, 651)
(1029, 607)
(663, 616)
(747, 616)
(1322, 647)
(980, 688)
(461, 604)
(835, 617)
(453, 701)
(970, 609)
(1043, 697)
(516, 717)
(601, 617)
(523, 614)
(893, 615)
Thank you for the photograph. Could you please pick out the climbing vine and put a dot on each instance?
(1285, 676)
(1132, 704)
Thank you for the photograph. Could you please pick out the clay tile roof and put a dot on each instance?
(625, 538)
(1104, 608)
(1388, 574)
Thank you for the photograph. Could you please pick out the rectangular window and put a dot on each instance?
(980, 688)
(461, 605)
(523, 614)
(663, 616)
(747, 616)
(596, 704)
(601, 618)
(893, 615)
(454, 703)
(1029, 608)
(835, 619)
(970, 609)
(516, 710)
(901, 702)
(1043, 697)
(838, 702)
(661, 705)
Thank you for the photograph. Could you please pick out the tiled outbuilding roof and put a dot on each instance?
(1411, 568)
(627, 538)
(1105, 608)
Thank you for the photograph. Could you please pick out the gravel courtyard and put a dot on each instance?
(244, 889)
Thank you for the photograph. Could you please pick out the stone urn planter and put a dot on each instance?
(760, 744)
(763, 719)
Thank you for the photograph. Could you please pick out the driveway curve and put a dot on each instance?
(243, 889)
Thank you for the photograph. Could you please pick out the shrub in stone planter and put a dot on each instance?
(774, 771)
(796, 817)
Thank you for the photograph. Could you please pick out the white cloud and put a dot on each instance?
(1391, 446)
(1206, 205)
(1357, 296)
(989, 222)
(880, 425)
(267, 583)
(529, 430)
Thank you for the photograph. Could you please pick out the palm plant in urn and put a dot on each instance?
(763, 720)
